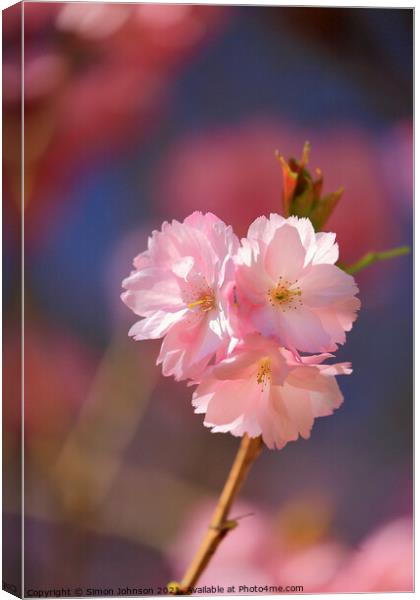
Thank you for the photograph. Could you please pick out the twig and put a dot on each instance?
(220, 525)
(372, 257)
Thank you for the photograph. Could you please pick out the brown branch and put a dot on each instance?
(220, 525)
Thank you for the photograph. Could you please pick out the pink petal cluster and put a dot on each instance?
(234, 317)
(382, 563)
(178, 287)
(287, 275)
(264, 389)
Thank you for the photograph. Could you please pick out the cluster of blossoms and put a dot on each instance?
(235, 318)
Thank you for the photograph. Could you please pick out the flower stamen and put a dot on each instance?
(206, 302)
(285, 295)
(264, 373)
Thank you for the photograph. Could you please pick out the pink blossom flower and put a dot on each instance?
(178, 287)
(290, 287)
(313, 567)
(262, 389)
(383, 563)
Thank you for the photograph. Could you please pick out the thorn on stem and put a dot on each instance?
(226, 526)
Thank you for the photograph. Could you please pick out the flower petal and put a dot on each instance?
(326, 249)
(155, 326)
(285, 255)
(322, 285)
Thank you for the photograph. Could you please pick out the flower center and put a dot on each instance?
(264, 373)
(205, 302)
(285, 295)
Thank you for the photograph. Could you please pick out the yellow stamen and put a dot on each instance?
(285, 295)
(206, 302)
(264, 372)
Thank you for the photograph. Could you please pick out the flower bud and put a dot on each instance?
(302, 194)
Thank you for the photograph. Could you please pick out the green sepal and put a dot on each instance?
(324, 208)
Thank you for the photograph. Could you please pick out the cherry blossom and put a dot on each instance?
(289, 286)
(178, 288)
(264, 389)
